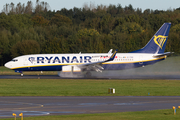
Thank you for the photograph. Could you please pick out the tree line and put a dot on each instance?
(28, 29)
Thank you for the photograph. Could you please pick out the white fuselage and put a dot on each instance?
(54, 62)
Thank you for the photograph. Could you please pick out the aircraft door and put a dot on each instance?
(25, 61)
(140, 59)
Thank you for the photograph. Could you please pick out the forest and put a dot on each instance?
(35, 29)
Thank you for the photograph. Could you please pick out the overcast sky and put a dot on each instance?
(68, 4)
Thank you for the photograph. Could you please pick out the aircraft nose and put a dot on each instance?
(8, 65)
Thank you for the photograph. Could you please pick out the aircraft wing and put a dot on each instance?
(96, 65)
(164, 54)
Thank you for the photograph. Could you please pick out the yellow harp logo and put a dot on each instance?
(160, 40)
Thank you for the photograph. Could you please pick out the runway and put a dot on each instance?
(38, 106)
(145, 76)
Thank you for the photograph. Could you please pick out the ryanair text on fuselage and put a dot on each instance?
(62, 59)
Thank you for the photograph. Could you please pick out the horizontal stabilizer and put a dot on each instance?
(164, 54)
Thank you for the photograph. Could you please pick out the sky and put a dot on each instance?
(69, 4)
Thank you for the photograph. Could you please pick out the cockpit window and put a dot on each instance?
(14, 60)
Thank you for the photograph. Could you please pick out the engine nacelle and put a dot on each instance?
(71, 71)
(71, 68)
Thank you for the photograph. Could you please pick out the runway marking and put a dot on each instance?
(160, 101)
(21, 103)
(5, 114)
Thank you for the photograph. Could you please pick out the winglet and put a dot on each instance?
(110, 51)
(112, 56)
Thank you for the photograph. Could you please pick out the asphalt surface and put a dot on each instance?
(145, 76)
(38, 106)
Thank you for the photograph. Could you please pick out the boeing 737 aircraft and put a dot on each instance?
(84, 63)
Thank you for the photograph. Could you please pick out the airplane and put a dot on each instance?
(84, 63)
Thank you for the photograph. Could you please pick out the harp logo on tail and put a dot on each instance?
(160, 40)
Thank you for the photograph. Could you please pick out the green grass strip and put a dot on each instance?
(81, 87)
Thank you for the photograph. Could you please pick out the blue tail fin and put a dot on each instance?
(157, 43)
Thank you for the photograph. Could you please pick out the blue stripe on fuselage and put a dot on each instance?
(41, 68)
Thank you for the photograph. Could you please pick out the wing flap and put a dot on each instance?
(96, 65)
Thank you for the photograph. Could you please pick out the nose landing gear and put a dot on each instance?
(20, 72)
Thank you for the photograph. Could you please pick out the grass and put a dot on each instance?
(81, 87)
(166, 114)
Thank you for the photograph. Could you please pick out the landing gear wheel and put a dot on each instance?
(21, 74)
